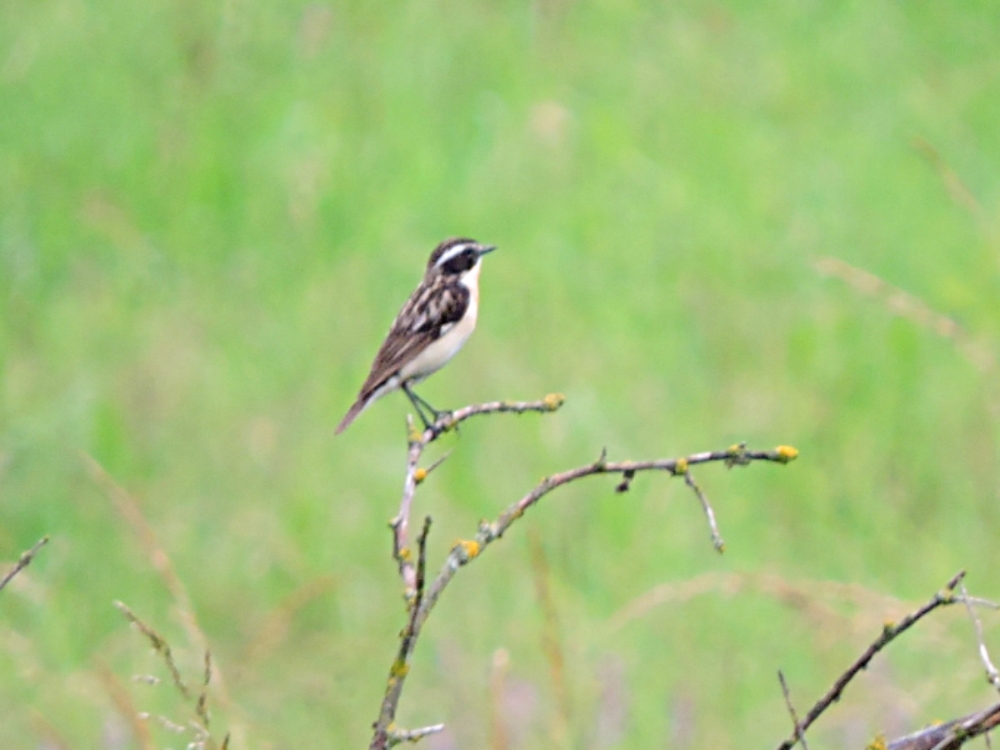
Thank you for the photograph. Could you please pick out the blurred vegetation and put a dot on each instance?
(211, 211)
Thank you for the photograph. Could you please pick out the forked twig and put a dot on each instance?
(415, 474)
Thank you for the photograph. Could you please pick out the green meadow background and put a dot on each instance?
(210, 213)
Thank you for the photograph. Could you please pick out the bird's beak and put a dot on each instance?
(483, 249)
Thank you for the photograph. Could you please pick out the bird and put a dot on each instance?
(432, 327)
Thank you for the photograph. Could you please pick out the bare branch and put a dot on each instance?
(23, 562)
(421, 600)
(889, 633)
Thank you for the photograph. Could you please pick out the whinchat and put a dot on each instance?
(433, 325)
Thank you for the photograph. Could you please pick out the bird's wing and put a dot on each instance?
(428, 314)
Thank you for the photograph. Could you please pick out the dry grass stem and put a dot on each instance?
(499, 735)
(160, 646)
(23, 562)
(198, 727)
(126, 708)
(276, 626)
(814, 598)
(551, 641)
(128, 507)
(910, 307)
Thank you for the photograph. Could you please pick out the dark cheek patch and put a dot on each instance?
(463, 262)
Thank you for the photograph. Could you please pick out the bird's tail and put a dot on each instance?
(352, 414)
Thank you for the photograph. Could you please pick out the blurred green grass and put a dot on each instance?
(209, 213)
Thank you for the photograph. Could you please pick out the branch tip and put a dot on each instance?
(553, 401)
(602, 460)
(957, 579)
(786, 453)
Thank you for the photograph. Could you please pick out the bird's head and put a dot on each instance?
(457, 258)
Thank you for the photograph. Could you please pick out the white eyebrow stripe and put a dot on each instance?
(452, 252)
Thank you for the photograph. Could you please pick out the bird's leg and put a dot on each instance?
(416, 404)
(420, 404)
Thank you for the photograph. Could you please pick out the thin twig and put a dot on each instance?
(991, 671)
(717, 540)
(384, 728)
(889, 633)
(796, 726)
(399, 736)
(23, 562)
